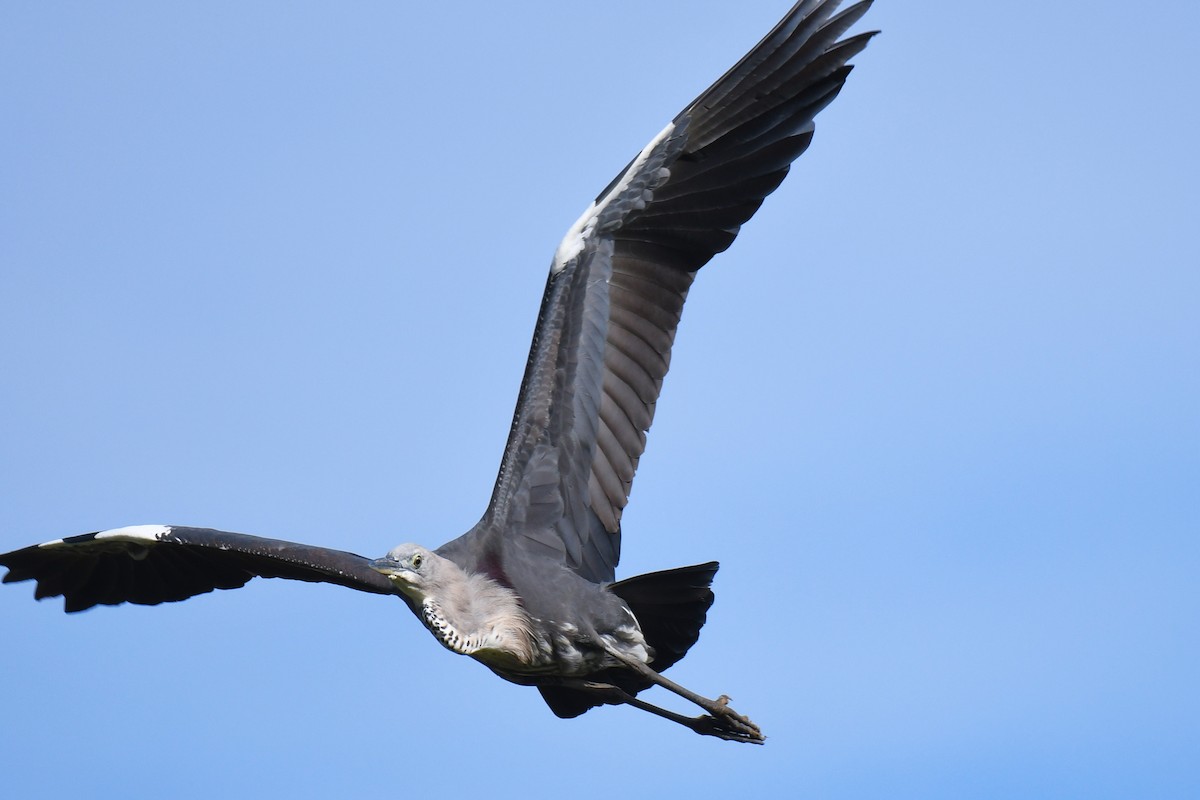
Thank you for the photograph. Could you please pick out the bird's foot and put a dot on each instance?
(725, 723)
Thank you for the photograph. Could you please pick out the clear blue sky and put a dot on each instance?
(273, 268)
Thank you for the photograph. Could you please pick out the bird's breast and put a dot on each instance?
(503, 641)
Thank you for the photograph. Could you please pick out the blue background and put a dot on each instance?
(274, 267)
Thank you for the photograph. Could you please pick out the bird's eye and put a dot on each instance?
(416, 560)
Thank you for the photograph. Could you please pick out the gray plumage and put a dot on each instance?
(529, 590)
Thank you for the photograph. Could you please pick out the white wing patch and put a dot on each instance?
(141, 534)
(572, 243)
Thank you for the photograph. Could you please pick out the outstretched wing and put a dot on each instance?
(152, 564)
(619, 279)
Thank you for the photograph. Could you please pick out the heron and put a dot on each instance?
(530, 591)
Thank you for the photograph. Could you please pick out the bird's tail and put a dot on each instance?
(671, 607)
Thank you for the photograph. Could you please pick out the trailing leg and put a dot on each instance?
(705, 725)
(721, 714)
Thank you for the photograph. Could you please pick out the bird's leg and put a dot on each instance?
(703, 725)
(722, 716)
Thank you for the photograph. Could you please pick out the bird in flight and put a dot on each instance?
(530, 590)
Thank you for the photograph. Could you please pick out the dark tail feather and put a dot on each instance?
(671, 606)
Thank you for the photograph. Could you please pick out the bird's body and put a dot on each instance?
(529, 591)
(521, 636)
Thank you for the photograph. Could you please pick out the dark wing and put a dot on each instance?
(618, 282)
(152, 564)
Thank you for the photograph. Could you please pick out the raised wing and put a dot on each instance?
(152, 564)
(619, 279)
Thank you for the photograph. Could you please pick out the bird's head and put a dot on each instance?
(411, 568)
